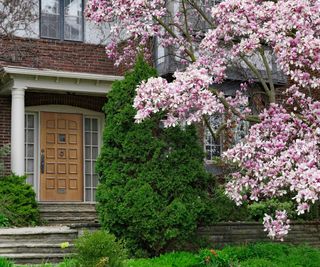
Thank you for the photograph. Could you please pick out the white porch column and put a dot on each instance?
(17, 131)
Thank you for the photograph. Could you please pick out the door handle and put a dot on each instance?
(42, 161)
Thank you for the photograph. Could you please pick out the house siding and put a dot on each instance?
(5, 126)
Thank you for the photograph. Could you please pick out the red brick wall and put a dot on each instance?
(56, 55)
(82, 101)
(5, 126)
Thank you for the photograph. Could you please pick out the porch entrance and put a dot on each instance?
(61, 163)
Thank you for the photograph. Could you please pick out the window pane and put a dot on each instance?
(94, 139)
(88, 180)
(30, 123)
(95, 180)
(73, 20)
(94, 125)
(87, 152)
(30, 165)
(88, 194)
(30, 151)
(87, 139)
(50, 19)
(88, 167)
(87, 124)
(94, 152)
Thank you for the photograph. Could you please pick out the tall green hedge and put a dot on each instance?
(154, 190)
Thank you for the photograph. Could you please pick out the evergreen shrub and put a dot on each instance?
(154, 190)
(17, 201)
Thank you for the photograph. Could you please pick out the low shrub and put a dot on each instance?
(17, 201)
(99, 249)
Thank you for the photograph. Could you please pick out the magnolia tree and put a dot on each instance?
(281, 153)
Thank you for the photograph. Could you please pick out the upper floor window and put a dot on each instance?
(62, 19)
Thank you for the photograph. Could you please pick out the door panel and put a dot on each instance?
(61, 150)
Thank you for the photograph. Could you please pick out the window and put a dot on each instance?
(62, 19)
(214, 148)
(30, 147)
(91, 143)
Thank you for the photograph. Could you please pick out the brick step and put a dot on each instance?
(48, 248)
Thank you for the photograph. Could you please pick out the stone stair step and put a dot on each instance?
(21, 247)
(53, 234)
(35, 258)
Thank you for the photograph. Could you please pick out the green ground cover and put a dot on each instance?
(252, 255)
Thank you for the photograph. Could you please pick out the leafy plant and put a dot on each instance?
(173, 259)
(5, 263)
(154, 190)
(4, 151)
(17, 201)
(99, 249)
(4, 221)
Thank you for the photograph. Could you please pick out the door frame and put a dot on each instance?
(86, 113)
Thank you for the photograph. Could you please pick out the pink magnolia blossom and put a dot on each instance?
(281, 153)
(277, 228)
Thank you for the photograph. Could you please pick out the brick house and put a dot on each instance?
(53, 84)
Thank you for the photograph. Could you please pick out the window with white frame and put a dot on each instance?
(62, 19)
(30, 146)
(91, 147)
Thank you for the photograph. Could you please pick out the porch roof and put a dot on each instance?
(53, 80)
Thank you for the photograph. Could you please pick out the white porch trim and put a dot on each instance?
(17, 130)
(52, 80)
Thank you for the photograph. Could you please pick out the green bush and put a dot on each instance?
(154, 190)
(224, 209)
(99, 249)
(5, 263)
(4, 151)
(17, 201)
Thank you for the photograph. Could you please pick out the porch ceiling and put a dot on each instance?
(47, 80)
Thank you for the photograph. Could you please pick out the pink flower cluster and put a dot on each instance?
(290, 28)
(185, 100)
(130, 20)
(279, 227)
(281, 154)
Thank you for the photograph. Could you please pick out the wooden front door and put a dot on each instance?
(61, 169)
